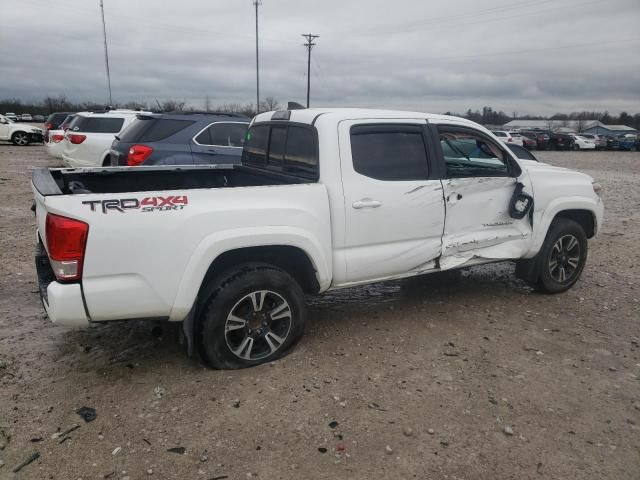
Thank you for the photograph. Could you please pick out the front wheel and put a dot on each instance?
(255, 315)
(20, 139)
(562, 257)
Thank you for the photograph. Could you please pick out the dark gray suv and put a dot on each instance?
(181, 138)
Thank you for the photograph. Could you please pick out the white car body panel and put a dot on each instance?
(93, 151)
(584, 143)
(55, 149)
(150, 265)
(11, 127)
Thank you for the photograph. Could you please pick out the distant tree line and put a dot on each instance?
(61, 104)
(487, 115)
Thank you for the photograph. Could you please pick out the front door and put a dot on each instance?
(481, 178)
(394, 208)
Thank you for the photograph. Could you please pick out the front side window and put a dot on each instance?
(470, 154)
(389, 152)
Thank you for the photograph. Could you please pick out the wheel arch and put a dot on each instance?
(295, 252)
(583, 217)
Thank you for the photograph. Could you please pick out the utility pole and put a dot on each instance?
(310, 38)
(257, 3)
(106, 51)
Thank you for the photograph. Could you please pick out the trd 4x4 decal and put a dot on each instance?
(147, 204)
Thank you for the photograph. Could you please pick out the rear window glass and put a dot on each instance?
(284, 148)
(153, 129)
(96, 125)
(300, 158)
(255, 148)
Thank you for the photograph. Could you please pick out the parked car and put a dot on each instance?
(324, 199)
(26, 117)
(627, 142)
(581, 142)
(181, 138)
(541, 138)
(561, 141)
(600, 141)
(529, 143)
(19, 134)
(521, 152)
(38, 118)
(54, 139)
(55, 119)
(11, 116)
(508, 137)
(88, 140)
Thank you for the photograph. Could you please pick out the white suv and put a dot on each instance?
(90, 135)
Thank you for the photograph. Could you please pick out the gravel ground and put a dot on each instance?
(481, 378)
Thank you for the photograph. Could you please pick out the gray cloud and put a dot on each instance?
(530, 57)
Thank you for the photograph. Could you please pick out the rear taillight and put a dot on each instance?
(76, 139)
(66, 242)
(138, 154)
(48, 126)
(57, 138)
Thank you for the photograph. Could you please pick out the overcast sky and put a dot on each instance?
(535, 57)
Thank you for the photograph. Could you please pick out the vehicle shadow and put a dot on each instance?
(144, 345)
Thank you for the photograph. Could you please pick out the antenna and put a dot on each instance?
(310, 38)
(106, 51)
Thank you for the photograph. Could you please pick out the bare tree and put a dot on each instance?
(173, 106)
(269, 104)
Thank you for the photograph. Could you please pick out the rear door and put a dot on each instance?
(479, 182)
(393, 202)
(219, 142)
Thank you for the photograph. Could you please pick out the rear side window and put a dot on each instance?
(389, 152)
(300, 158)
(223, 135)
(284, 148)
(96, 125)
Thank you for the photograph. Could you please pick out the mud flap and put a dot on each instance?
(188, 330)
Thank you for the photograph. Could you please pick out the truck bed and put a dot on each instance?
(146, 179)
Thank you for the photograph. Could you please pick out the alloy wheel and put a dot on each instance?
(21, 139)
(565, 259)
(258, 325)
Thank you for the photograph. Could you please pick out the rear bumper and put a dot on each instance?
(63, 303)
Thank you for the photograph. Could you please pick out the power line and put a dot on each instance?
(106, 51)
(310, 38)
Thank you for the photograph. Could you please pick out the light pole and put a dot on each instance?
(257, 3)
(106, 52)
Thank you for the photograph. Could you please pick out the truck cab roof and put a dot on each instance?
(310, 115)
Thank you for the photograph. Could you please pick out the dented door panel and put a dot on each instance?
(478, 226)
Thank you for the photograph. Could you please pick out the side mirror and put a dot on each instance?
(520, 204)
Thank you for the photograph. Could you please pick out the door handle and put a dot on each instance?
(366, 203)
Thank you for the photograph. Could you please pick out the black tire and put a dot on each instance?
(576, 146)
(21, 139)
(561, 232)
(236, 293)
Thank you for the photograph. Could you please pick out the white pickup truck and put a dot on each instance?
(324, 199)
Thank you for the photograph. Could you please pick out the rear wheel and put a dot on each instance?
(21, 139)
(562, 257)
(253, 316)
(576, 146)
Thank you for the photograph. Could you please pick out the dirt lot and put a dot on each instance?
(404, 380)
